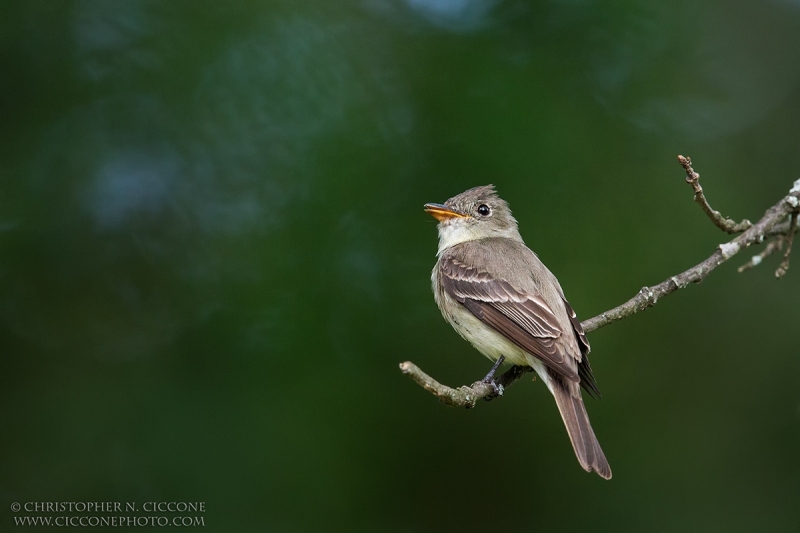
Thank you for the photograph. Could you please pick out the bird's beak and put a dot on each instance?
(441, 212)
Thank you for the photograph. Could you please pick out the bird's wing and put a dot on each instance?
(577, 327)
(584, 369)
(521, 316)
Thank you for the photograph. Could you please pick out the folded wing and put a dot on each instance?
(522, 317)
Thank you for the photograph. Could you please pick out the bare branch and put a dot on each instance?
(725, 224)
(648, 296)
(463, 396)
(771, 225)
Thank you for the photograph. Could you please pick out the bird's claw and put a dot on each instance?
(497, 390)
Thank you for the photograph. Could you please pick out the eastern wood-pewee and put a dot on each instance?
(499, 296)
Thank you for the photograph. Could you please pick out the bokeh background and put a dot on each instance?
(213, 256)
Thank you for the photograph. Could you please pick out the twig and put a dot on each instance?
(725, 224)
(756, 233)
(784, 266)
(772, 246)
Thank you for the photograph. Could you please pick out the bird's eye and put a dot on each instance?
(484, 210)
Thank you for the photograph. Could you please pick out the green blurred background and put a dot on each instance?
(213, 256)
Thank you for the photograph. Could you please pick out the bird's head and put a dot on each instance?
(477, 213)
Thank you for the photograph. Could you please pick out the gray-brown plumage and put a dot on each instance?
(499, 296)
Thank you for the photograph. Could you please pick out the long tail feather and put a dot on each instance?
(584, 442)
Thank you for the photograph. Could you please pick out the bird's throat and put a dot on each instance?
(453, 233)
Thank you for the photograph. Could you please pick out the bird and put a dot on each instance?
(499, 296)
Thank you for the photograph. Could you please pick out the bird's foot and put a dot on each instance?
(497, 389)
(490, 376)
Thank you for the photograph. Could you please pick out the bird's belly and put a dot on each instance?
(488, 341)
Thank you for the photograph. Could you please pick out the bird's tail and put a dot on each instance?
(573, 412)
